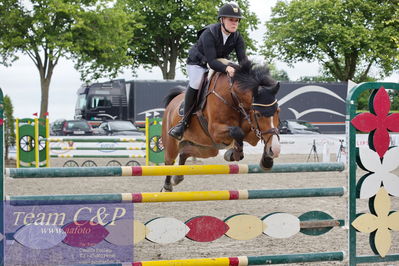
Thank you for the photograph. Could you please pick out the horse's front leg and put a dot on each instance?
(224, 134)
(236, 153)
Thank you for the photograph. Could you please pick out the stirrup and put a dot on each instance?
(178, 130)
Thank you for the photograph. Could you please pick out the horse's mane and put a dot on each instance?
(250, 76)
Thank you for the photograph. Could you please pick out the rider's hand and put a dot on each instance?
(230, 71)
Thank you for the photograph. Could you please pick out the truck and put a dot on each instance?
(122, 100)
(321, 104)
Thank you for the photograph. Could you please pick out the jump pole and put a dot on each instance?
(76, 139)
(243, 260)
(171, 170)
(148, 197)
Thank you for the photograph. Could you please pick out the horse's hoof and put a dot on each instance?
(232, 155)
(176, 179)
(266, 163)
(167, 188)
(228, 155)
(238, 156)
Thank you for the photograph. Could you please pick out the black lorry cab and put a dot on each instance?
(122, 100)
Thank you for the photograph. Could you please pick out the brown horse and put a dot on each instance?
(243, 108)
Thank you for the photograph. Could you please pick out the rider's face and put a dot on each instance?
(231, 24)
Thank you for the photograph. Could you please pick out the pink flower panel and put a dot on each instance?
(381, 103)
(381, 141)
(381, 122)
(393, 122)
(365, 122)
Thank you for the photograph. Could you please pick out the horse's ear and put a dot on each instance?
(275, 88)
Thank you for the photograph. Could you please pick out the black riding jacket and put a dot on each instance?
(209, 47)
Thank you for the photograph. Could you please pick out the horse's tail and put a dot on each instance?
(173, 93)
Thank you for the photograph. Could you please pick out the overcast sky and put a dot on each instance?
(21, 80)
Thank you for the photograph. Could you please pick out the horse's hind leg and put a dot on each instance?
(182, 160)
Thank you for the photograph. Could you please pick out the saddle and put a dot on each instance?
(202, 94)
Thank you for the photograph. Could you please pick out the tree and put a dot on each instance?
(9, 125)
(346, 37)
(363, 101)
(278, 74)
(93, 33)
(394, 96)
(320, 78)
(395, 21)
(170, 27)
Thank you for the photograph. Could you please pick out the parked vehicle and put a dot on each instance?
(122, 100)
(119, 128)
(297, 127)
(64, 127)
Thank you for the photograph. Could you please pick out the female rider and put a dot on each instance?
(214, 41)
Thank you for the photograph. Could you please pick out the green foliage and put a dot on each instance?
(87, 31)
(101, 40)
(170, 28)
(93, 33)
(325, 76)
(395, 23)
(394, 96)
(316, 79)
(363, 100)
(9, 125)
(346, 37)
(278, 74)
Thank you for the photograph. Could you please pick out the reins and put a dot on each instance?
(234, 96)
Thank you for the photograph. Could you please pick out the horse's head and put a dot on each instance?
(264, 111)
(266, 116)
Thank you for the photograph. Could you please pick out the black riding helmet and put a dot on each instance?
(231, 10)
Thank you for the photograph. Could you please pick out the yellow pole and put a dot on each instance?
(47, 143)
(17, 142)
(180, 170)
(187, 169)
(185, 196)
(147, 141)
(37, 142)
(190, 262)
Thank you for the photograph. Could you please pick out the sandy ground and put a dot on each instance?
(335, 240)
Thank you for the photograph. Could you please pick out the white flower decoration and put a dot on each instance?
(380, 172)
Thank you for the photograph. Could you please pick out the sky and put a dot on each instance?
(21, 81)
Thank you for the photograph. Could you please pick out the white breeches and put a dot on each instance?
(195, 74)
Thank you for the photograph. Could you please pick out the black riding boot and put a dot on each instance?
(189, 101)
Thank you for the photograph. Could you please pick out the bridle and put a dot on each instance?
(239, 107)
(272, 131)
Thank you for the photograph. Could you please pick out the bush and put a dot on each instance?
(9, 125)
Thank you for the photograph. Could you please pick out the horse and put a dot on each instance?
(233, 110)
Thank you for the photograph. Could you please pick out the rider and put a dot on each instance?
(214, 41)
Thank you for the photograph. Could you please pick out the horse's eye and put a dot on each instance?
(258, 115)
